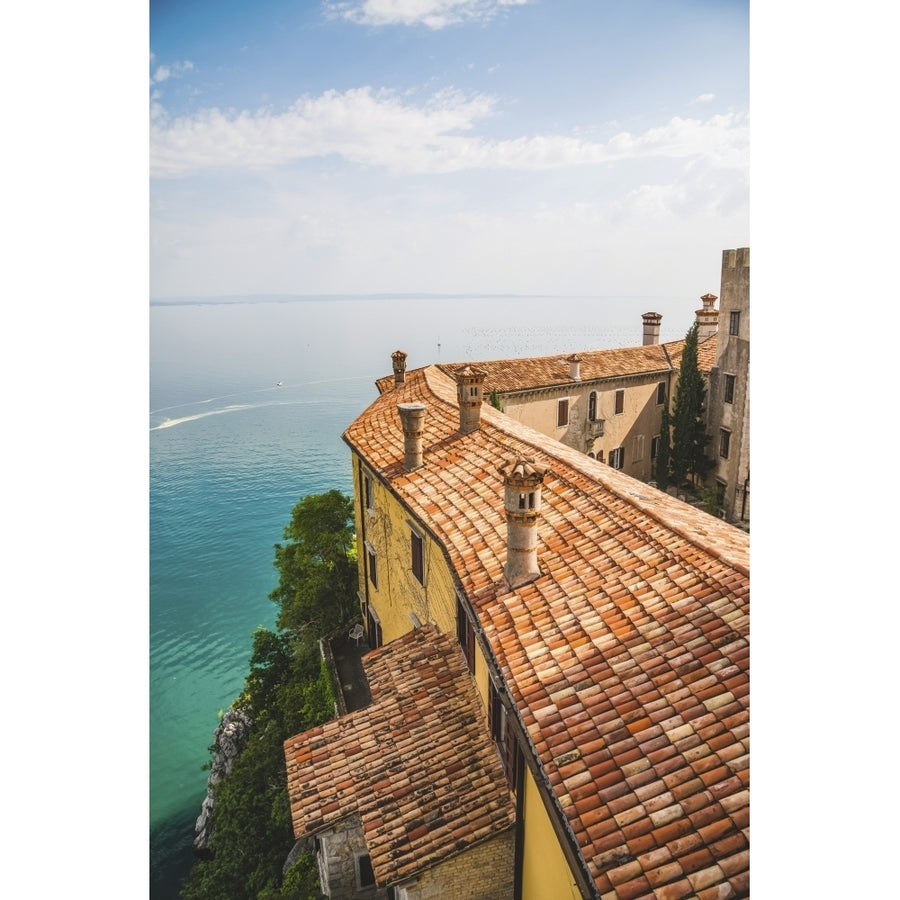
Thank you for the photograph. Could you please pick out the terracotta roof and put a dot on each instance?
(528, 373)
(627, 657)
(417, 766)
(706, 352)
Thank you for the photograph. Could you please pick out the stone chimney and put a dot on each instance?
(707, 318)
(470, 394)
(522, 504)
(574, 362)
(412, 415)
(651, 327)
(398, 358)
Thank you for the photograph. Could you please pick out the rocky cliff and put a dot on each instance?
(229, 741)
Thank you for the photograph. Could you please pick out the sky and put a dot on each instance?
(480, 155)
(570, 147)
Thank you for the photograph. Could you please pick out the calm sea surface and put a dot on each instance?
(231, 453)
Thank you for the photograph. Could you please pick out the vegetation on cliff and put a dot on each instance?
(287, 691)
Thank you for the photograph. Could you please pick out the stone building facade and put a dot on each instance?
(728, 396)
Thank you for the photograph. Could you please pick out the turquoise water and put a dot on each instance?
(231, 453)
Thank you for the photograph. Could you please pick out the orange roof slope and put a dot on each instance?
(627, 658)
(508, 376)
(417, 766)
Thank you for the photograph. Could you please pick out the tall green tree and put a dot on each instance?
(664, 451)
(317, 585)
(689, 437)
(288, 689)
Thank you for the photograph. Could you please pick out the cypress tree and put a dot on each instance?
(689, 438)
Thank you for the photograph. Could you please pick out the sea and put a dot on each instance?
(249, 397)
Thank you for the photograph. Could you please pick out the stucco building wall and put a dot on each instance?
(633, 429)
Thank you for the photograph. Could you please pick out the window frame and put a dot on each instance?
(372, 564)
(724, 443)
(369, 493)
(734, 322)
(592, 406)
(654, 447)
(562, 412)
(617, 456)
(728, 389)
(620, 401)
(660, 393)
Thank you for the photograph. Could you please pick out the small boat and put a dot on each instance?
(279, 383)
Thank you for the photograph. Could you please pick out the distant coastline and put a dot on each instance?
(303, 298)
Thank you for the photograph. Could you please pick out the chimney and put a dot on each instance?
(574, 362)
(522, 504)
(470, 393)
(398, 358)
(651, 327)
(707, 318)
(412, 415)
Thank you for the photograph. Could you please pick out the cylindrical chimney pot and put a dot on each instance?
(522, 504)
(470, 395)
(398, 360)
(651, 327)
(707, 318)
(412, 416)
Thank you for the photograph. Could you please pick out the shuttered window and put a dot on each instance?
(620, 402)
(465, 635)
(418, 556)
(562, 413)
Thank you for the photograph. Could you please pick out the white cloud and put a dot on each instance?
(704, 98)
(434, 14)
(164, 73)
(375, 128)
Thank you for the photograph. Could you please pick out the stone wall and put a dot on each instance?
(338, 852)
(483, 872)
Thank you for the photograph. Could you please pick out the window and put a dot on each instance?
(638, 448)
(592, 407)
(526, 501)
(465, 634)
(365, 877)
(373, 565)
(734, 322)
(620, 402)
(504, 737)
(562, 413)
(376, 638)
(729, 388)
(418, 556)
(724, 442)
(617, 458)
(370, 494)
(661, 393)
(654, 447)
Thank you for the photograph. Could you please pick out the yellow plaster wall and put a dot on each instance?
(545, 873)
(387, 528)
